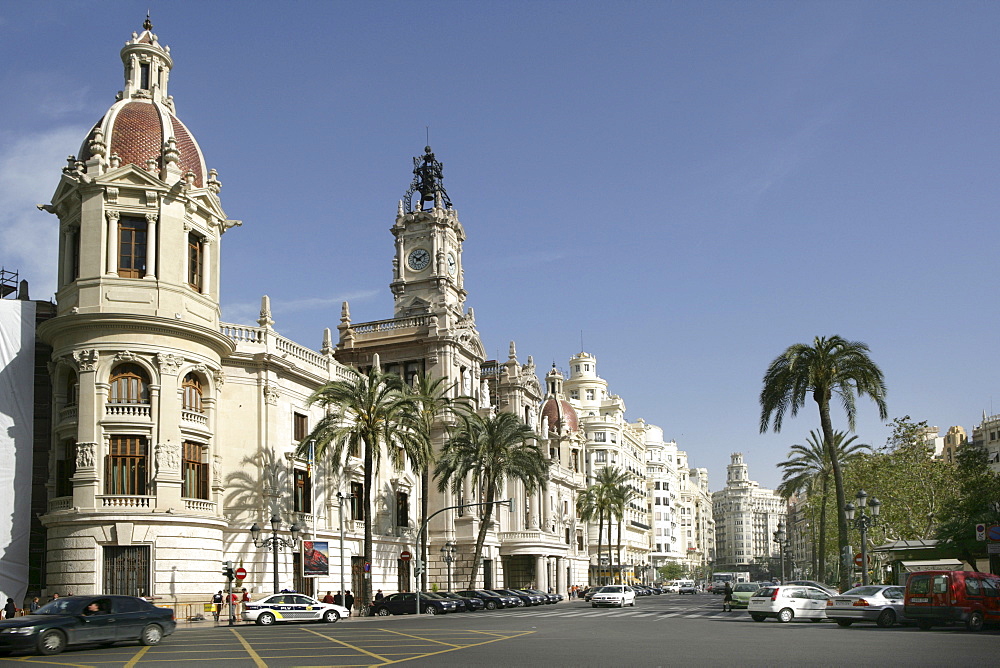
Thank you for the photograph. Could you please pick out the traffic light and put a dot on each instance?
(227, 570)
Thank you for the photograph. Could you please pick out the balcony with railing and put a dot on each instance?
(68, 413)
(124, 502)
(200, 506)
(252, 339)
(127, 412)
(60, 503)
(194, 417)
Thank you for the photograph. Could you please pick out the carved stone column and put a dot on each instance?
(151, 245)
(111, 263)
(541, 572)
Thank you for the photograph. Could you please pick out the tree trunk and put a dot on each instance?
(483, 528)
(621, 578)
(611, 558)
(823, 399)
(424, 507)
(822, 530)
(365, 595)
(600, 544)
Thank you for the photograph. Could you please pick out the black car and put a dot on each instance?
(79, 620)
(490, 599)
(546, 598)
(467, 603)
(405, 603)
(527, 596)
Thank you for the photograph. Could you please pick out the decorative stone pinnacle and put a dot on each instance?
(265, 312)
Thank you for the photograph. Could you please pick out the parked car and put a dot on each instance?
(939, 597)
(882, 604)
(589, 592)
(527, 599)
(613, 595)
(77, 620)
(785, 603)
(405, 603)
(468, 603)
(832, 591)
(491, 600)
(742, 593)
(292, 608)
(546, 598)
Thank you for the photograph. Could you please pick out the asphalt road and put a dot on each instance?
(663, 630)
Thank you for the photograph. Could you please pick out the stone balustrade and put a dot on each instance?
(127, 502)
(129, 411)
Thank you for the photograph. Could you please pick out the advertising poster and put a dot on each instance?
(315, 558)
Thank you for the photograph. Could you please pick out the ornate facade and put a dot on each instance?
(746, 517)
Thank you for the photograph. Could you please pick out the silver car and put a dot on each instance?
(786, 603)
(882, 604)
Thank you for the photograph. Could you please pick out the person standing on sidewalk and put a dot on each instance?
(349, 600)
(217, 605)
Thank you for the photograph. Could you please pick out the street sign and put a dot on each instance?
(993, 548)
(993, 533)
(368, 566)
(405, 555)
(980, 531)
(857, 560)
(241, 573)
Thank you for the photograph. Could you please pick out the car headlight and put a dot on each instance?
(20, 630)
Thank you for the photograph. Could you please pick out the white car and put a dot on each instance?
(292, 608)
(619, 595)
(787, 603)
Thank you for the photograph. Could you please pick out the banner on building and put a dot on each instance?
(17, 376)
(315, 558)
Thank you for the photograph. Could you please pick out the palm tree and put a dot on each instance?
(434, 405)
(598, 501)
(621, 495)
(831, 366)
(490, 449)
(808, 470)
(371, 414)
(590, 505)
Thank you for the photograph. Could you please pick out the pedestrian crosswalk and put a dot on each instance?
(636, 612)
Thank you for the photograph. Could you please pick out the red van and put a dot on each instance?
(940, 597)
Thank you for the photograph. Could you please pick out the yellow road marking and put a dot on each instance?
(349, 645)
(138, 655)
(253, 655)
(453, 649)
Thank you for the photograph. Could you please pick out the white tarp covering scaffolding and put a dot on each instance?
(17, 374)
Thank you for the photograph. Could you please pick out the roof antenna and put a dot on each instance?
(427, 129)
(581, 341)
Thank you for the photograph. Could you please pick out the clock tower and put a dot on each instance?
(427, 274)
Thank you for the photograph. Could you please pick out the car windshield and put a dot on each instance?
(60, 606)
(615, 589)
(864, 591)
(746, 586)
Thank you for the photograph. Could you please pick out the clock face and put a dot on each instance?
(452, 264)
(419, 259)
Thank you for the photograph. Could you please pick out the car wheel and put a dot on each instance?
(593, 605)
(633, 602)
(151, 635)
(51, 642)
(331, 617)
(383, 612)
(430, 610)
(975, 621)
(886, 619)
(490, 605)
(265, 619)
(924, 624)
(786, 615)
(757, 618)
(845, 622)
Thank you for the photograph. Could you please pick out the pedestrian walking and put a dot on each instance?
(10, 609)
(217, 604)
(349, 600)
(34, 605)
(727, 599)
(339, 598)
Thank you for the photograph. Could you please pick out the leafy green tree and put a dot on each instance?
(671, 572)
(829, 367)
(491, 449)
(434, 410)
(976, 500)
(808, 470)
(591, 505)
(369, 414)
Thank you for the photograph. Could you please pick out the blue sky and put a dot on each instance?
(682, 188)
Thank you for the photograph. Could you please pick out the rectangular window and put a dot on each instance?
(144, 76)
(195, 249)
(131, 247)
(402, 509)
(126, 570)
(300, 426)
(600, 456)
(66, 468)
(574, 394)
(357, 501)
(194, 484)
(302, 495)
(575, 457)
(125, 466)
(600, 437)
(590, 395)
(76, 254)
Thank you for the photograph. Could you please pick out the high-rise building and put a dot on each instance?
(746, 517)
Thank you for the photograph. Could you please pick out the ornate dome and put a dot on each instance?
(560, 415)
(141, 128)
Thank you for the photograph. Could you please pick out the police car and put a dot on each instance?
(292, 608)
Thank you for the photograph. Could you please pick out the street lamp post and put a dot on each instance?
(448, 554)
(863, 522)
(779, 538)
(275, 542)
(341, 497)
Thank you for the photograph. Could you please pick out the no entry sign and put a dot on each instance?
(405, 555)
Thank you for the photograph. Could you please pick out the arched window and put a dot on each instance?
(71, 391)
(129, 385)
(191, 394)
